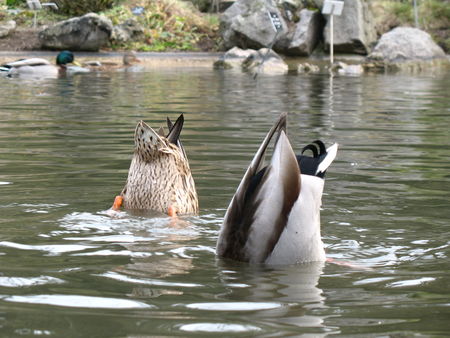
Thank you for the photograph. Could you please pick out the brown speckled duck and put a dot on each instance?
(159, 177)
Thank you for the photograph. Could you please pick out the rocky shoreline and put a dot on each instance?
(299, 44)
(210, 60)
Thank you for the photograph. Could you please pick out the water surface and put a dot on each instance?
(68, 269)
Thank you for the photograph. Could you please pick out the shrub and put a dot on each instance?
(168, 25)
(14, 3)
(81, 7)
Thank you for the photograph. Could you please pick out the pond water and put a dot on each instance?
(68, 269)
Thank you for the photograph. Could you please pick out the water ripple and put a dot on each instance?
(78, 301)
(17, 282)
(233, 306)
(146, 281)
(51, 249)
(218, 328)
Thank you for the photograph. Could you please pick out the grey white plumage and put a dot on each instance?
(274, 216)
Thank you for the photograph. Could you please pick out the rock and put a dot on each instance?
(249, 60)
(233, 58)
(318, 3)
(273, 64)
(354, 30)
(345, 69)
(89, 32)
(307, 33)
(406, 43)
(127, 31)
(246, 24)
(307, 68)
(6, 28)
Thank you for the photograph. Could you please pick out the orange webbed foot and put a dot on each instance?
(118, 201)
(172, 211)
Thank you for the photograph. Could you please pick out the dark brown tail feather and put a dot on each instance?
(241, 212)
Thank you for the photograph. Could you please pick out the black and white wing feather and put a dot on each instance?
(259, 211)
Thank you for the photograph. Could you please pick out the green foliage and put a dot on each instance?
(168, 25)
(81, 7)
(402, 10)
(435, 14)
(15, 3)
(435, 18)
(202, 5)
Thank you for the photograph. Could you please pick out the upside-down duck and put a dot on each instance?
(159, 177)
(274, 216)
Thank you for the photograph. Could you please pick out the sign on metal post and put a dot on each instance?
(276, 22)
(332, 8)
(36, 5)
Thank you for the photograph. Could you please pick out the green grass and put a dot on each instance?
(168, 25)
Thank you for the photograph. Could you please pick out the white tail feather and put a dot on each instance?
(331, 155)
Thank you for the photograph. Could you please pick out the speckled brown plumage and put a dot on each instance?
(159, 174)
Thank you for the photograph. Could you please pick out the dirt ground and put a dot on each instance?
(21, 39)
(26, 39)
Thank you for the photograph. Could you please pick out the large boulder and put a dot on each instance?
(89, 32)
(354, 30)
(404, 44)
(306, 33)
(246, 24)
(6, 28)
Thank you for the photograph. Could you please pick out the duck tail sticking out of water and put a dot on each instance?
(159, 177)
(274, 216)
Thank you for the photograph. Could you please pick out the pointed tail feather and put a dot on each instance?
(175, 129)
(326, 162)
(258, 159)
(246, 203)
(173, 133)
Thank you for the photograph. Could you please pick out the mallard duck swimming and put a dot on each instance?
(38, 67)
(129, 59)
(159, 177)
(274, 216)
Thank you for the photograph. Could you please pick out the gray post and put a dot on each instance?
(332, 8)
(331, 39)
(416, 15)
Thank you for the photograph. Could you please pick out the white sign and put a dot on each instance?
(333, 7)
(36, 4)
(276, 21)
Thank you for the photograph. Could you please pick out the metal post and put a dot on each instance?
(332, 8)
(331, 40)
(416, 15)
